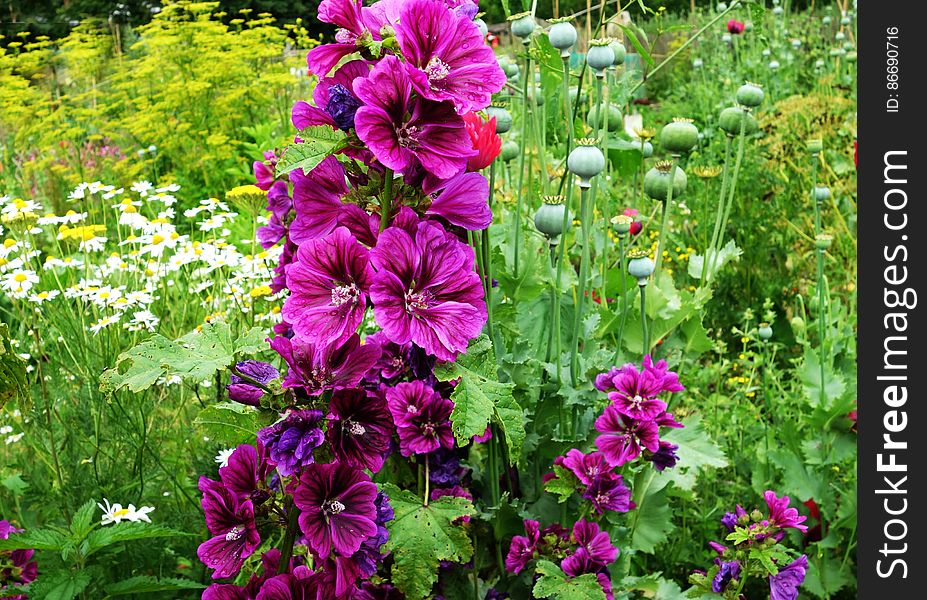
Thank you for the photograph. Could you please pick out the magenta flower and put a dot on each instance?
(16, 566)
(426, 291)
(665, 457)
(317, 368)
(241, 475)
(328, 288)
(347, 16)
(317, 200)
(359, 429)
(784, 585)
(422, 418)
(399, 129)
(338, 510)
(463, 201)
(290, 443)
(446, 57)
(596, 542)
(245, 389)
(522, 548)
(301, 584)
(781, 515)
(335, 103)
(634, 392)
(587, 467)
(263, 175)
(622, 438)
(609, 493)
(235, 535)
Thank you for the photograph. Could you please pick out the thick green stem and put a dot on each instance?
(730, 192)
(664, 221)
(709, 252)
(386, 200)
(289, 536)
(645, 349)
(521, 159)
(581, 286)
(624, 297)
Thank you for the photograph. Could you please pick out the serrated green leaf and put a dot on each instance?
(125, 532)
(479, 397)
(145, 584)
(59, 585)
(82, 522)
(553, 583)
(37, 539)
(307, 155)
(652, 520)
(696, 452)
(420, 537)
(323, 133)
(196, 356)
(233, 423)
(563, 485)
(717, 260)
(15, 484)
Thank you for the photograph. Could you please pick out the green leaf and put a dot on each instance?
(322, 133)
(125, 532)
(553, 583)
(798, 481)
(652, 520)
(420, 537)
(197, 356)
(12, 372)
(810, 373)
(37, 539)
(233, 423)
(307, 155)
(82, 522)
(696, 452)
(632, 36)
(15, 590)
(480, 397)
(563, 485)
(15, 484)
(717, 260)
(145, 584)
(59, 585)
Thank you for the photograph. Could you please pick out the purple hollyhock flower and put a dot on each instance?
(18, 568)
(338, 508)
(622, 438)
(263, 175)
(665, 419)
(408, 399)
(426, 291)
(270, 562)
(463, 201)
(596, 542)
(717, 547)
(780, 515)
(347, 16)
(578, 563)
(445, 468)
(316, 368)
(608, 493)
(328, 288)
(317, 200)
(231, 522)
(398, 129)
(393, 362)
(665, 457)
(587, 467)
(301, 584)
(244, 390)
(365, 561)
(522, 548)
(784, 585)
(279, 204)
(669, 381)
(422, 418)
(729, 571)
(731, 520)
(359, 429)
(278, 283)
(446, 56)
(635, 393)
(332, 108)
(291, 442)
(241, 474)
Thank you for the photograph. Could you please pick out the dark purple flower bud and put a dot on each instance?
(290, 442)
(342, 105)
(729, 571)
(244, 389)
(665, 457)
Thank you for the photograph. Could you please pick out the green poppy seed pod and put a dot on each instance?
(600, 56)
(611, 111)
(764, 331)
(840, 36)
(562, 36)
(536, 99)
(503, 118)
(773, 65)
(730, 118)
(640, 267)
(697, 63)
(722, 6)
(750, 94)
(648, 149)
(844, 20)
(549, 217)
(823, 241)
(826, 20)
(509, 150)
(582, 97)
(821, 193)
(522, 25)
(848, 46)
(727, 39)
(511, 70)
(796, 43)
(851, 57)
(798, 325)
(766, 53)
(619, 50)
(622, 224)
(586, 161)
(680, 136)
(748, 26)
(481, 25)
(777, 10)
(656, 182)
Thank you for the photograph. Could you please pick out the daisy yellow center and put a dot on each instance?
(121, 512)
(20, 277)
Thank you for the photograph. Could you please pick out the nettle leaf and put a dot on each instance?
(563, 485)
(59, 585)
(82, 522)
(37, 539)
(420, 537)
(553, 583)
(480, 398)
(716, 260)
(125, 532)
(308, 154)
(696, 452)
(196, 356)
(145, 584)
(12, 371)
(233, 423)
(652, 520)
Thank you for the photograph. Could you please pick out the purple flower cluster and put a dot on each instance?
(630, 425)
(601, 486)
(16, 566)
